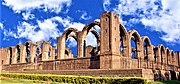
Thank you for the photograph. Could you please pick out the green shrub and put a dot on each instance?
(77, 79)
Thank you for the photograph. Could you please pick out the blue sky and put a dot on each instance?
(37, 20)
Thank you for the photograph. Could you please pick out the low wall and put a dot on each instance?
(64, 64)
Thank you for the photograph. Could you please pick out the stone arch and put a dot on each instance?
(62, 41)
(162, 53)
(123, 40)
(88, 28)
(134, 35)
(147, 48)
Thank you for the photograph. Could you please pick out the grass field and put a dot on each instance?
(6, 80)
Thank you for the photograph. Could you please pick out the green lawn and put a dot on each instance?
(5, 80)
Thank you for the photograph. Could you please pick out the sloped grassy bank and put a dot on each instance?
(77, 79)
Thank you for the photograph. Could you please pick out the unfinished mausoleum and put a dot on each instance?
(111, 57)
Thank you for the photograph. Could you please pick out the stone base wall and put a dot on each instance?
(18, 67)
(65, 64)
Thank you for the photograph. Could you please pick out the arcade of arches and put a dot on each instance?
(114, 50)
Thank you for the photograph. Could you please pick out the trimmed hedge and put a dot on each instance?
(77, 79)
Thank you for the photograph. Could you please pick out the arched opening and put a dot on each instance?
(147, 50)
(18, 53)
(71, 45)
(135, 44)
(133, 49)
(69, 35)
(162, 51)
(167, 56)
(155, 54)
(49, 51)
(27, 52)
(173, 75)
(90, 37)
(56, 51)
(36, 59)
(10, 53)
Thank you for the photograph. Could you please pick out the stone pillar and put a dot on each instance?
(150, 53)
(158, 57)
(22, 53)
(178, 59)
(61, 49)
(14, 56)
(7, 56)
(109, 47)
(80, 45)
(33, 52)
(45, 50)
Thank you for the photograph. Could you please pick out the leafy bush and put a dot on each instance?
(77, 79)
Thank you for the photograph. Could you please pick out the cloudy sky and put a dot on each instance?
(38, 20)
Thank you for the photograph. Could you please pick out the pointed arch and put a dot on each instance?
(134, 36)
(62, 41)
(147, 48)
(82, 40)
(123, 40)
(162, 53)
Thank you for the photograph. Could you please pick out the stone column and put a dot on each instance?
(22, 53)
(45, 50)
(14, 56)
(33, 52)
(80, 46)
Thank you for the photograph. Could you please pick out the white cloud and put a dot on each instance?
(9, 33)
(84, 15)
(72, 42)
(91, 40)
(43, 31)
(28, 15)
(28, 5)
(1, 26)
(161, 16)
